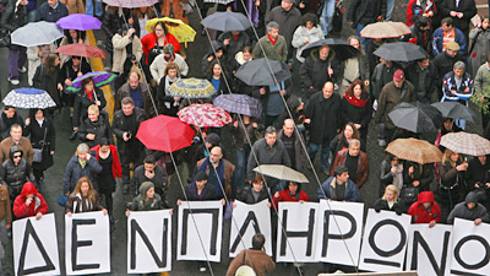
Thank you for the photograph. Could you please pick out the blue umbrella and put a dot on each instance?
(30, 98)
(100, 78)
(240, 104)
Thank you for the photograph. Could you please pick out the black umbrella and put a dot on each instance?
(226, 22)
(454, 110)
(258, 72)
(343, 50)
(417, 118)
(400, 51)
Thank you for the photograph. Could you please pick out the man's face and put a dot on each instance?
(451, 53)
(52, 3)
(149, 167)
(16, 133)
(270, 139)
(215, 155)
(327, 90)
(343, 177)
(93, 116)
(470, 205)
(274, 32)
(424, 63)
(286, 5)
(398, 83)
(133, 81)
(354, 150)
(82, 155)
(201, 184)
(127, 109)
(458, 72)
(288, 129)
(323, 53)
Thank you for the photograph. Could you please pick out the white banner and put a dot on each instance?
(87, 239)
(247, 221)
(470, 248)
(340, 233)
(200, 226)
(35, 246)
(149, 241)
(384, 242)
(299, 243)
(428, 249)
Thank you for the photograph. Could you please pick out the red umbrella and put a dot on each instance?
(165, 133)
(81, 50)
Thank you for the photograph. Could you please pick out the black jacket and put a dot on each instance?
(47, 80)
(159, 180)
(325, 117)
(165, 103)
(314, 71)
(82, 102)
(16, 176)
(355, 114)
(467, 7)
(365, 11)
(37, 134)
(246, 196)
(424, 82)
(100, 128)
(120, 125)
(382, 204)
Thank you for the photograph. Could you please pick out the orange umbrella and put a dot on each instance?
(415, 150)
(81, 50)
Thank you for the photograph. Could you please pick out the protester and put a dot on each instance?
(254, 193)
(16, 139)
(89, 96)
(149, 171)
(292, 192)
(391, 173)
(51, 11)
(470, 209)
(356, 108)
(137, 90)
(46, 77)
(425, 209)
(80, 164)
(220, 173)
(255, 258)
(154, 42)
(83, 199)
(295, 145)
(354, 160)
(159, 65)
(390, 201)
(445, 34)
(146, 200)
(453, 186)
(8, 118)
(29, 203)
(15, 171)
(320, 67)
(166, 104)
(274, 45)
(460, 12)
(339, 187)
(479, 45)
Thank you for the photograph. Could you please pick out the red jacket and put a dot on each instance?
(149, 40)
(420, 214)
(116, 164)
(284, 195)
(38, 205)
(412, 4)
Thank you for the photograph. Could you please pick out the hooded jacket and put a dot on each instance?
(141, 203)
(285, 196)
(14, 175)
(462, 211)
(420, 214)
(38, 204)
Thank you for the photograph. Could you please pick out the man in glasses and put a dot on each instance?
(16, 171)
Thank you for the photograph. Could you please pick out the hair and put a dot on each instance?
(91, 195)
(93, 108)
(258, 178)
(355, 135)
(270, 130)
(127, 100)
(161, 24)
(247, 49)
(103, 141)
(350, 90)
(86, 81)
(134, 72)
(459, 65)
(354, 37)
(15, 126)
(310, 17)
(355, 142)
(171, 66)
(391, 188)
(211, 68)
(149, 159)
(80, 35)
(340, 170)
(446, 157)
(272, 25)
(258, 241)
(49, 63)
(448, 21)
(82, 148)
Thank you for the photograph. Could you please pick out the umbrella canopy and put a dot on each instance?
(454, 110)
(418, 117)
(258, 73)
(400, 51)
(281, 172)
(81, 50)
(466, 143)
(165, 133)
(204, 115)
(415, 150)
(191, 88)
(226, 21)
(100, 78)
(29, 98)
(36, 33)
(182, 32)
(240, 104)
(222, 2)
(386, 29)
(79, 21)
(131, 4)
(343, 50)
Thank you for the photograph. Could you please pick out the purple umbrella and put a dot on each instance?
(100, 78)
(79, 21)
(131, 4)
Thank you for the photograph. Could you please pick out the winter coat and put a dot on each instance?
(159, 64)
(125, 91)
(226, 179)
(120, 54)
(462, 211)
(479, 41)
(467, 7)
(15, 176)
(165, 103)
(381, 204)
(300, 159)
(424, 82)
(6, 123)
(47, 81)
(390, 97)
(46, 13)
(420, 214)
(74, 171)
(35, 55)
(160, 180)
(235, 45)
(24, 144)
(278, 51)
(381, 76)
(277, 154)
(362, 166)
(327, 190)
(482, 80)
(100, 128)
(38, 204)
(314, 72)
(142, 203)
(478, 173)
(150, 40)
(299, 36)
(258, 260)
(443, 64)
(365, 11)
(423, 173)
(36, 134)
(437, 39)
(67, 71)
(357, 111)
(119, 126)
(206, 194)
(452, 91)
(82, 102)
(325, 115)
(285, 196)
(245, 195)
(76, 202)
(288, 21)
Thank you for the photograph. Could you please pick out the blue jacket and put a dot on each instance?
(328, 189)
(46, 13)
(73, 172)
(437, 38)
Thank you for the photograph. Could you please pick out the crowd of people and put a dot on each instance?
(327, 108)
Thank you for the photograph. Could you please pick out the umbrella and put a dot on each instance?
(79, 21)
(81, 50)
(204, 115)
(226, 21)
(454, 110)
(240, 104)
(182, 32)
(281, 172)
(100, 78)
(466, 143)
(130, 4)
(221, 2)
(343, 50)
(387, 29)
(418, 117)
(165, 133)
(400, 51)
(191, 88)
(35, 34)
(29, 98)
(258, 72)
(415, 150)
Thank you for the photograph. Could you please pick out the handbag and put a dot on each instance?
(38, 153)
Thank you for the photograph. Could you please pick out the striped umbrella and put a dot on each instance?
(100, 78)
(204, 115)
(466, 143)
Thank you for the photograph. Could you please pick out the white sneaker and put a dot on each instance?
(13, 81)
(23, 69)
(202, 269)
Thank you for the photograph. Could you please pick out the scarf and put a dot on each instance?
(272, 40)
(360, 103)
(90, 95)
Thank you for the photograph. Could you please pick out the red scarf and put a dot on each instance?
(90, 95)
(355, 101)
(272, 40)
(236, 37)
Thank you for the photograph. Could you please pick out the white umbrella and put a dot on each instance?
(466, 143)
(281, 172)
(35, 34)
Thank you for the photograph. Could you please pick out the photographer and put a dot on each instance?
(127, 54)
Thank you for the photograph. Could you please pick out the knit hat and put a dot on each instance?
(453, 46)
(398, 75)
(145, 186)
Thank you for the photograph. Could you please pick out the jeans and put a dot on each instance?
(390, 6)
(17, 58)
(327, 16)
(324, 157)
(89, 8)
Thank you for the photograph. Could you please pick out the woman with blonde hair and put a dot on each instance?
(390, 200)
(84, 198)
(452, 184)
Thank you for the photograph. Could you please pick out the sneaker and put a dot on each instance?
(381, 142)
(202, 268)
(22, 70)
(13, 81)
